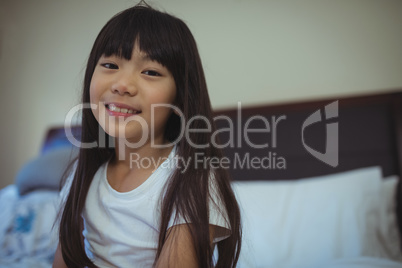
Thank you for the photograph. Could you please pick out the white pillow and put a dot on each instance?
(308, 222)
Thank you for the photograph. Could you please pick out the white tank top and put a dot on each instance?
(122, 229)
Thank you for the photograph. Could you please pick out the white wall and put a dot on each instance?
(259, 51)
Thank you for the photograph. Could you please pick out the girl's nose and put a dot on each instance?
(124, 86)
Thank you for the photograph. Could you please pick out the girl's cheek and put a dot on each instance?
(93, 86)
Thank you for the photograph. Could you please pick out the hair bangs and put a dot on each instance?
(118, 36)
(151, 30)
(159, 40)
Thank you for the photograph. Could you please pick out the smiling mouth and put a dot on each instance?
(115, 109)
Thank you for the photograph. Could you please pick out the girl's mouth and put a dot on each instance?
(118, 110)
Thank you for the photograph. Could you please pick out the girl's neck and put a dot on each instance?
(126, 174)
(131, 157)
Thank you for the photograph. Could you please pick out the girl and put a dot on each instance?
(120, 210)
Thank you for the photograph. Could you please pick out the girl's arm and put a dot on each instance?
(178, 250)
(58, 261)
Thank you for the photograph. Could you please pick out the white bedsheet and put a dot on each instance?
(363, 262)
(355, 262)
(27, 235)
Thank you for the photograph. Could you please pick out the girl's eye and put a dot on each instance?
(110, 66)
(151, 73)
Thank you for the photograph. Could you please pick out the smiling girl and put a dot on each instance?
(117, 215)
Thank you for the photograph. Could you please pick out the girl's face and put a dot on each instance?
(122, 92)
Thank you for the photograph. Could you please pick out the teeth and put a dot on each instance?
(114, 108)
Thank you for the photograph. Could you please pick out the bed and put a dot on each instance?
(329, 194)
(318, 184)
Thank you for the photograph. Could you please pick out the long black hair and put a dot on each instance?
(167, 40)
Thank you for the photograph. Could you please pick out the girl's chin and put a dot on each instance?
(130, 131)
(130, 138)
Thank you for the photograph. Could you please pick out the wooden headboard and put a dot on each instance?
(369, 134)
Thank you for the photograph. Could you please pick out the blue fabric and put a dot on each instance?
(45, 171)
